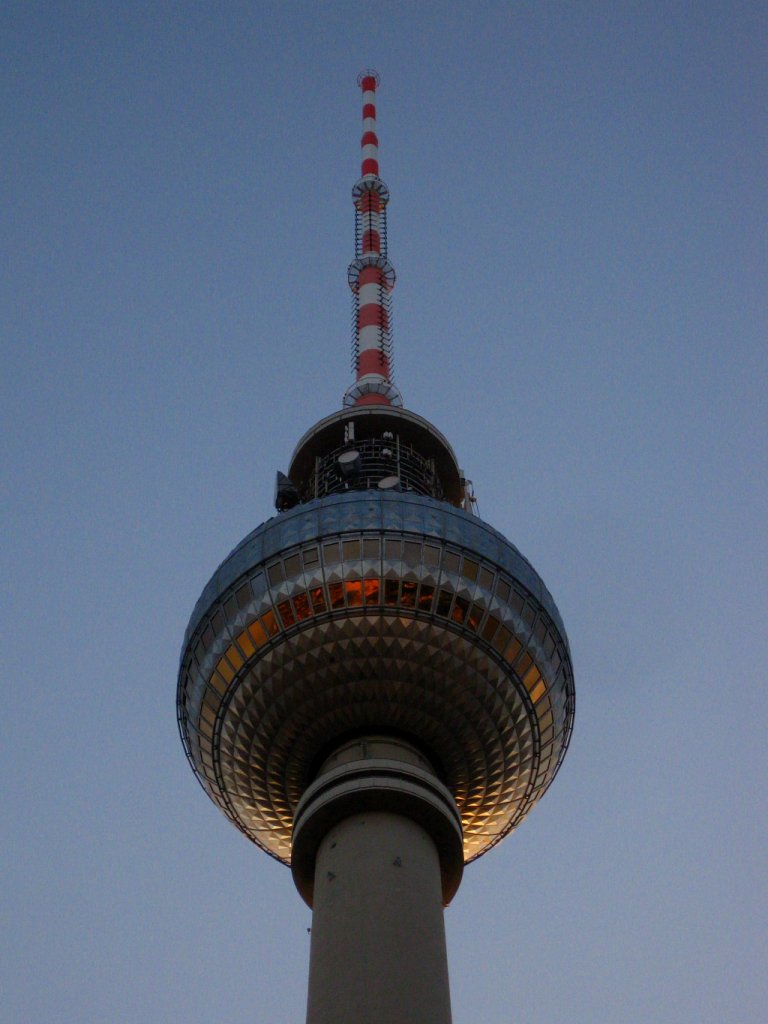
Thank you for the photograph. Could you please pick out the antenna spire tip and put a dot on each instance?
(368, 73)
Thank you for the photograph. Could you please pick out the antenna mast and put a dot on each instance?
(371, 276)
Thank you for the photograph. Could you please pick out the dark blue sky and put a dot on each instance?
(578, 225)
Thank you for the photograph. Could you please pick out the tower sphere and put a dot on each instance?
(367, 608)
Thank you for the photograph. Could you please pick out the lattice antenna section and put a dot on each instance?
(371, 276)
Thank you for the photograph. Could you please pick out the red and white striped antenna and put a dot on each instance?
(371, 276)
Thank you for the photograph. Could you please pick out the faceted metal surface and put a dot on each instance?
(374, 610)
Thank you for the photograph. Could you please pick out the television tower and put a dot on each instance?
(375, 685)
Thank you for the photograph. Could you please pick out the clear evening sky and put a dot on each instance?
(578, 226)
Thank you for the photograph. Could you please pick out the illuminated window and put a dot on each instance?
(408, 599)
(460, 608)
(270, 623)
(301, 606)
(218, 683)
(425, 597)
(530, 677)
(257, 633)
(235, 657)
(371, 588)
(513, 650)
(354, 590)
(475, 615)
(245, 644)
(318, 599)
(286, 613)
(336, 595)
(538, 691)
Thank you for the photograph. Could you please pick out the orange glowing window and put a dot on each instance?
(531, 677)
(538, 691)
(425, 597)
(318, 599)
(354, 590)
(286, 613)
(270, 623)
(245, 644)
(474, 617)
(226, 670)
(525, 664)
(302, 607)
(371, 591)
(513, 649)
(460, 609)
(218, 683)
(235, 657)
(391, 595)
(257, 633)
(336, 594)
(408, 598)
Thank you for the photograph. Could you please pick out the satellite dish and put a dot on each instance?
(390, 483)
(350, 463)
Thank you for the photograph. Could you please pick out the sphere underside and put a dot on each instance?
(375, 611)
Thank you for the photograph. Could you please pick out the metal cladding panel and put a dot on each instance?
(372, 510)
